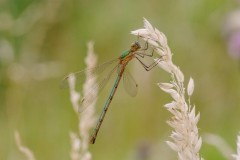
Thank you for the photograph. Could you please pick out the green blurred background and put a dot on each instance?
(42, 40)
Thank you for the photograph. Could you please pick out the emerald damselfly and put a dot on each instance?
(119, 67)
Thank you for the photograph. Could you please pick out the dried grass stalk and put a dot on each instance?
(185, 139)
(79, 141)
(237, 156)
(25, 150)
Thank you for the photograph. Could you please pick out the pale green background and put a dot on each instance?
(42, 112)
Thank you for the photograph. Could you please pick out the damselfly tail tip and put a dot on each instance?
(92, 140)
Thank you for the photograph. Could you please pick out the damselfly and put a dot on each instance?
(135, 51)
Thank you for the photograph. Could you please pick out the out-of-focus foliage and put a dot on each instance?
(42, 40)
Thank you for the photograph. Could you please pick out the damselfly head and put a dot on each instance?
(135, 46)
